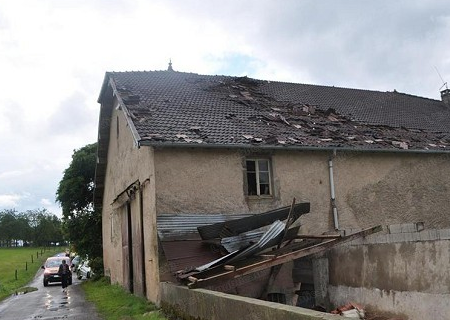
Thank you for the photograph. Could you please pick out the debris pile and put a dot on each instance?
(228, 250)
(350, 310)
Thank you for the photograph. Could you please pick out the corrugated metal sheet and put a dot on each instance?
(184, 226)
(241, 241)
(238, 226)
(270, 238)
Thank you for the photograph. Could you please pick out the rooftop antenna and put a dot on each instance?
(444, 82)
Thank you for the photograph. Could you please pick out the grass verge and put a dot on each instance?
(114, 303)
(12, 259)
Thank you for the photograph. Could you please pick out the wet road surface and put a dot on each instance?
(49, 303)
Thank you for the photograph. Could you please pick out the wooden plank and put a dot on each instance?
(325, 236)
(288, 223)
(228, 267)
(262, 265)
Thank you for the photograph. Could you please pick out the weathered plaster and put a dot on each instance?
(199, 181)
(409, 278)
(128, 164)
(413, 188)
(409, 266)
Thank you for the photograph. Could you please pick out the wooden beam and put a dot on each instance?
(262, 265)
(324, 236)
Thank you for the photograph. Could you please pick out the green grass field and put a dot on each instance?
(12, 259)
(114, 303)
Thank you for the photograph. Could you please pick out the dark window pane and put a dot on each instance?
(263, 165)
(251, 182)
(251, 165)
(264, 189)
(264, 177)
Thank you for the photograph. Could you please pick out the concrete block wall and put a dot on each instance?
(203, 304)
(403, 270)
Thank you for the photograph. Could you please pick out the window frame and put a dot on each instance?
(257, 172)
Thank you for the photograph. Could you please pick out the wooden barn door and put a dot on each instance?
(127, 249)
(137, 245)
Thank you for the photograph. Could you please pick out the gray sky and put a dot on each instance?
(54, 53)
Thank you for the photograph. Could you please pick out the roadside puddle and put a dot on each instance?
(56, 303)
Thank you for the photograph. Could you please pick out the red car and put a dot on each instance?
(51, 267)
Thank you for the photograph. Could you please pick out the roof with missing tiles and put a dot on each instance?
(176, 108)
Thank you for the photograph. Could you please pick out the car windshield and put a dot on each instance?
(53, 263)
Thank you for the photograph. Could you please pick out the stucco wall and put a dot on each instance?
(199, 181)
(371, 188)
(126, 165)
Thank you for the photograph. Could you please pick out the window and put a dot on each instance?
(258, 177)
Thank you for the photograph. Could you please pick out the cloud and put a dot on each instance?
(72, 116)
(372, 45)
(11, 174)
(46, 202)
(9, 201)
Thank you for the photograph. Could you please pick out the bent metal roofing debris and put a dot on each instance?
(170, 108)
(200, 262)
(238, 226)
(221, 271)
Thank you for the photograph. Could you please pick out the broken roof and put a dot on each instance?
(174, 108)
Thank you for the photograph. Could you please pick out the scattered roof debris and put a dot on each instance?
(176, 107)
(356, 311)
(350, 310)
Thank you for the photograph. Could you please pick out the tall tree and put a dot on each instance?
(82, 223)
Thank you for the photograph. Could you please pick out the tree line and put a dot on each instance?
(30, 228)
(81, 223)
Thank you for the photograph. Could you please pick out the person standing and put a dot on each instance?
(64, 273)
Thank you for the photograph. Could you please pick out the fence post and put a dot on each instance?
(32, 259)
(16, 274)
(37, 254)
(26, 265)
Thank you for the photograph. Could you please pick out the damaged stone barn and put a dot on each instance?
(306, 195)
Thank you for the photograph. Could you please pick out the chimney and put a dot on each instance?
(445, 95)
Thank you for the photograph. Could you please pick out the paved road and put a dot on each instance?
(49, 303)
